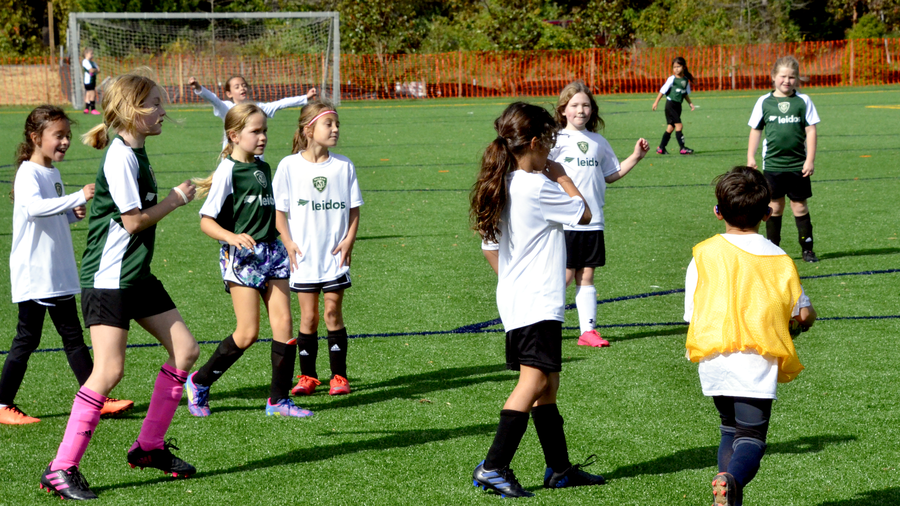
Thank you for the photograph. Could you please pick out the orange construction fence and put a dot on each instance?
(28, 81)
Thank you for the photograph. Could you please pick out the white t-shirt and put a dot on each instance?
(42, 259)
(88, 65)
(739, 374)
(588, 159)
(221, 107)
(531, 284)
(317, 198)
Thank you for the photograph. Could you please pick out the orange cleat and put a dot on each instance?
(339, 385)
(113, 407)
(12, 415)
(306, 386)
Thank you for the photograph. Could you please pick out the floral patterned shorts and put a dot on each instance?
(254, 267)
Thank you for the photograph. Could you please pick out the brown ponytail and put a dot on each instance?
(516, 127)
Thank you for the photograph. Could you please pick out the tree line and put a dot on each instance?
(434, 26)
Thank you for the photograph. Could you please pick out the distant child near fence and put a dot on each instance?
(744, 302)
(90, 82)
(240, 213)
(42, 267)
(317, 197)
(590, 162)
(117, 287)
(789, 150)
(519, 205)
(676, 89)
(237, 91)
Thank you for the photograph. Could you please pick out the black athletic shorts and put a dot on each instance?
(673, 112)
(90, 86)
(792, 184)
(585, 248)
(341, 283)
(538, 345)
(116, 307)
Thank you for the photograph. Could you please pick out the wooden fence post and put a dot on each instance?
(852, 57)
(733, 71)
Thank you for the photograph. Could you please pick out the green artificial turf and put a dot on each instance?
(426, 399)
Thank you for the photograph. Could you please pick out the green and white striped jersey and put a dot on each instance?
(785, 120)
(114, 258)
(676, 88)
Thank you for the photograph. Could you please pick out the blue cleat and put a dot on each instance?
(286, 407)
(573, 476)
(503, 481)
(198, 397)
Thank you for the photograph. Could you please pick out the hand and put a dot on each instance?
(80, 212)
(554, 171)
(654, 105)
(241, 241)
(641, 147)
(808, 168)
(311, 94)
(345, 248)
(194, 84)
(692, 106)
(293, 252)
(751, 162)
(88, 191)
(189, 191)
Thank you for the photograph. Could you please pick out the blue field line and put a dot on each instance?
(485, 327)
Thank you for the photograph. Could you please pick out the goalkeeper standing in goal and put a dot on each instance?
(238, 91)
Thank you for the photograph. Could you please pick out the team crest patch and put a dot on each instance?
(784, 107)
(583, 146)
(320, 182)
(58, 189)
(261, 178)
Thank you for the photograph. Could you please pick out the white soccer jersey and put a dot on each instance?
(739, 374)
(531, 284)
(317, 198)
(588, 159)
(42, 259)
(221, 107)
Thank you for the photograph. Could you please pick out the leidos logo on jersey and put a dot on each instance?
(301, 202)
(264, 200)
(789, 119)
(319, 183)
(261, 178)
(328, 205)
(583, 162)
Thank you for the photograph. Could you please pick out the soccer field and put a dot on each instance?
(427, 362)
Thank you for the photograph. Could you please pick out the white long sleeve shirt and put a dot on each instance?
(42, 259)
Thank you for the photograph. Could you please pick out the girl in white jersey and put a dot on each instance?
(519, 205)
(240, 214)
(90, 82)
(237, 91)
(117, 287)
(591, 163)
(317, 199)
(42, 261)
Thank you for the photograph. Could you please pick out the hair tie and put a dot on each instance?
(323, 113)
(502, 140)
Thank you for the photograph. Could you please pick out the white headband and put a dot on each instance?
(323, 113)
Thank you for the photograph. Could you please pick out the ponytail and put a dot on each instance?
(123, 103)
(97, 137)
(687, 73)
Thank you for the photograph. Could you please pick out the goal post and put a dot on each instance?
(279, 53)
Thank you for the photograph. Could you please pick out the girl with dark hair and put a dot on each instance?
(676, 89)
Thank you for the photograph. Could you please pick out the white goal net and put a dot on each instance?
(279, 54)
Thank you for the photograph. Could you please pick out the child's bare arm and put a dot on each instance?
(641, 147)
(811, 138)
(345, 247)
(493, 259)
(658, 98)
(752, 145)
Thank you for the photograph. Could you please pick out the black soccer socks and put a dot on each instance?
(226, 354)
(509, 434)
(337, 352)
(308, 350)
(665, 140)
(804, 232)
(284, 356)
(773, 229)
(548, 424)
(679, 136)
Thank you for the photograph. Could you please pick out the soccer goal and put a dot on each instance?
(279, 53)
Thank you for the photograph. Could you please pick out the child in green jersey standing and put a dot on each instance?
(789, 150)
(676, 89)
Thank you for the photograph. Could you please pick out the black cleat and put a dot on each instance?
(809, 256)
(724, 490)
(661, 151)
(161, 459)
(573, 476)
(67, 484)
(686, 151)
(502, 481)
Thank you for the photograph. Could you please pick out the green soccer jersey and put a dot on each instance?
(785, 120)
(241, 201)
(114, 258)
(676, 88)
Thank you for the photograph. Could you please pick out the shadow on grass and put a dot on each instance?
(886, 497)
(394, 439)
(668, 331)
(860, 253)
(701, 458)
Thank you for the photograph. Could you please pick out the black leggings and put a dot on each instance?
(747, 416)
(64, 313)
